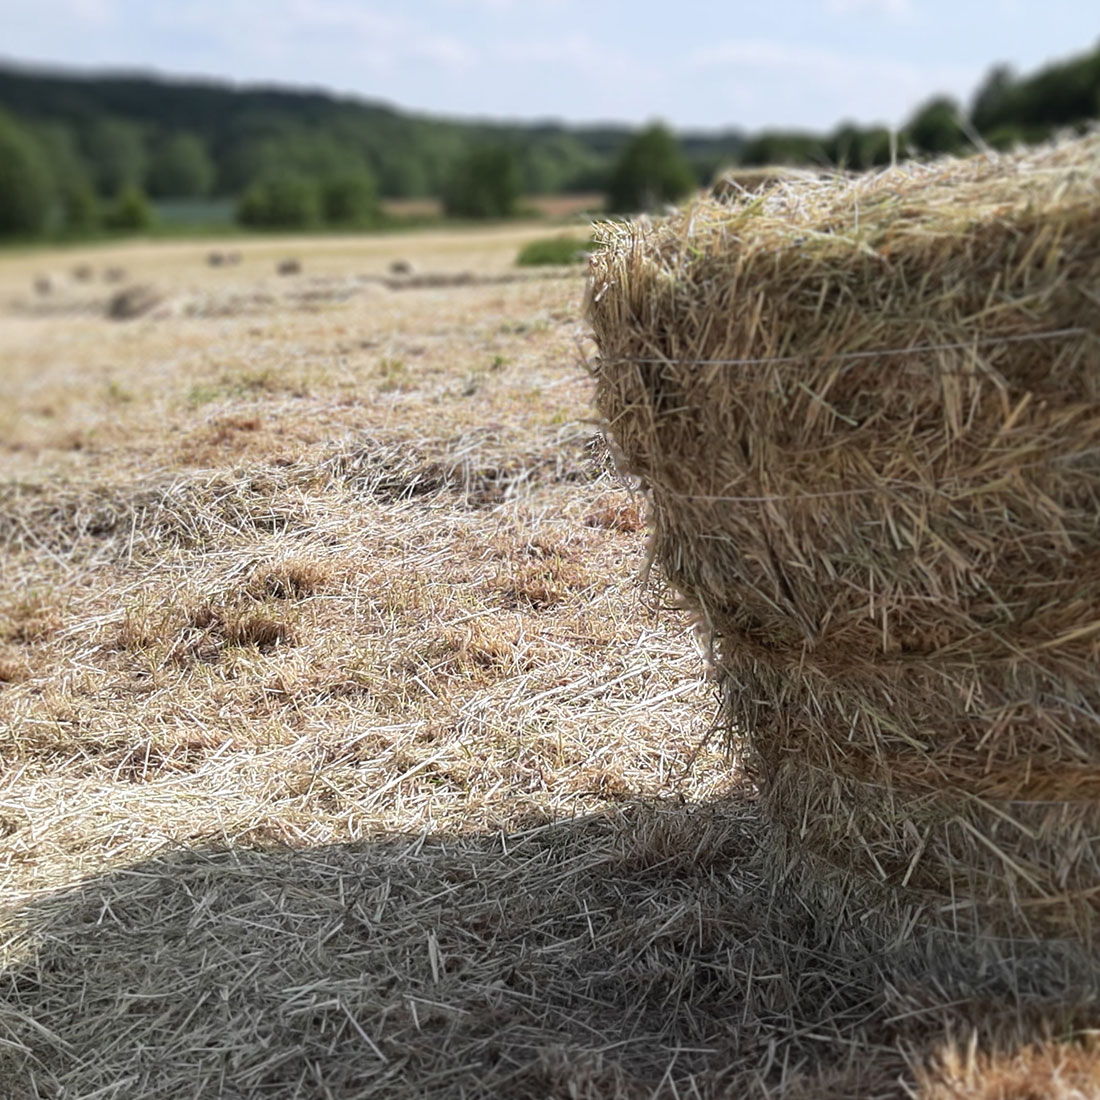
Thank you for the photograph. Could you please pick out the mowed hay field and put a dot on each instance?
(342, 753)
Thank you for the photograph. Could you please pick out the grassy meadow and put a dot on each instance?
(342, 751)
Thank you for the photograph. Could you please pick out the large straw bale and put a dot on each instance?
(867, 414)
(735, 184)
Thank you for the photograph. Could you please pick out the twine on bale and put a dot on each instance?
(896, 546)
(872, 353)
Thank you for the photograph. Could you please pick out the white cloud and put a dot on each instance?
(580, 77)
(443, 50)
(322, 41)
(578, 51)
(92, 11)
(289, 21)
(821, 86)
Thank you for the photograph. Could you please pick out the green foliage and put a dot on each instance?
(855, 149)
(552, 162)
(403, 176)
(276, 150)
(650, 170)
(993, 100)
(25, 183)
(784, 147)
(935, 128)
(350, 199)
(130, 211)
(554, 250)
(181, 169)
(61, 150)
(77, 206)
(80, 207)
(709, 154)
(284, 201)
(484, 183)
(1064, 94)
(115, 153)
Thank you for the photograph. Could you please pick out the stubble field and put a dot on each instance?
(342, 753)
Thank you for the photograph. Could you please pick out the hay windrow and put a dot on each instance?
(480, 468)
(867, 414)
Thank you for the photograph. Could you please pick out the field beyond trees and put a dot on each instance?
(342, 752)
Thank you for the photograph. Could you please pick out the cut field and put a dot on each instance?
(569, 206)
(342, 753)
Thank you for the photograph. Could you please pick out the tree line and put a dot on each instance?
(82, 154)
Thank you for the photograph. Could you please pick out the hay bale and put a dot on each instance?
(289, 267)
(43, 285)
(867, 413)
(83, 273)
(133, 301)
(401, 267)
(734, 184)
(215, 258)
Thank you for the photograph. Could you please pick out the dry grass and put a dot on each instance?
(1054, 1071)
(340, 752)
(547, 206)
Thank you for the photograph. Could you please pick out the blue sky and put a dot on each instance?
(711, 65)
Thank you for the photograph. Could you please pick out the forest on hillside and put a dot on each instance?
(182, 139)
(78, 153)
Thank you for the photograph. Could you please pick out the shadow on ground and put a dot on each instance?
(636, 953)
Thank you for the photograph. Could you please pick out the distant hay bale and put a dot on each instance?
(867, 414)
(215, 258)
(289, 267)
(401, 267)
(83, 273)
(43, 284)
(133, 301)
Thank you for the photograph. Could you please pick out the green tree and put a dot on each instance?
(279, 148)
(59, 146)
(853, 148)
(485, 183)
(25, 183)
(784, 147)
(284, 201)
(115, 154)
(349, 199)
(992, 105)
(1008, 138)
(650, 170)
(181, 169)
(551, 162)
(80, 209)
(130, 211)
(403, 175)
(76, 201)
(935, 128)
(1063, 94)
